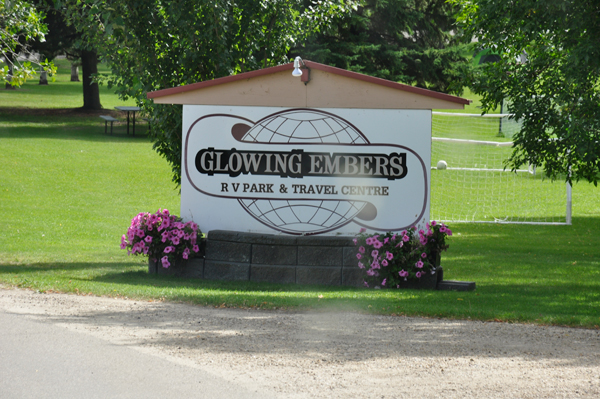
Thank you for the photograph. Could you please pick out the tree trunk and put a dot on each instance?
(43, 77)
(9, 77)
(74, 72)
(91, 91)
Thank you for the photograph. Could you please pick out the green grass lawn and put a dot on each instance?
(62, 93)
(68, 193)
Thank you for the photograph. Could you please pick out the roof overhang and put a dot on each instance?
(328, 87)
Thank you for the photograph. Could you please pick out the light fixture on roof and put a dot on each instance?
(298, 66)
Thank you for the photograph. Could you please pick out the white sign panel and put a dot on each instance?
(305, 171)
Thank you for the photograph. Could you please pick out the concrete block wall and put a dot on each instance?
(232, 255)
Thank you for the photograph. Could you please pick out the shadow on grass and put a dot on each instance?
(68, 124)
(64, 266)
(548, 302)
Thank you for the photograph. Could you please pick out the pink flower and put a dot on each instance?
(164, 236)
(195, 248)
(175, 240)
(358, 256)
(140, 233)
(443, 229)
(360, 265)
(148, 239)
(400, 244)
(394, 237)
(433, 223)
(377, 244)
(449, 232)
(405, 238)
(375, 253)
(361, 250)
(375, 265)
(169, 249)
(423, 255)
(355, 241)
(384, 263)
(369, 240)
(366, 284)
(370, 272)
(419, 264)
(389, 255)
(403, 273)
(418, 274)
(165, 262)
(385, 241)
(362, 230)
(383, 282)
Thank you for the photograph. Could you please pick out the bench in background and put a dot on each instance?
(108, 118)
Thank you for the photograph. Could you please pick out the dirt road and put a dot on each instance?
(336, 355)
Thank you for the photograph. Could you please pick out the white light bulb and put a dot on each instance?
(297, 72)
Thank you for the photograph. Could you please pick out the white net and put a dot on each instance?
(475, 126)
(471, 184)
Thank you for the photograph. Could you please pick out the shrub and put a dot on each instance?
(388, 260)
(161, 236)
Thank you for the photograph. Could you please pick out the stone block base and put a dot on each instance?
(237, 256)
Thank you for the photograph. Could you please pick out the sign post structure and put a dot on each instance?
(267, 153)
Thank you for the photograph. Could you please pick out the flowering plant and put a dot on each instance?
(392, 258)
(161, 236)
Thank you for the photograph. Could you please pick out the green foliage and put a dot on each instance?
(549, 73)
(60, 37)
(410, 41)
(155, 45)
(19, 22)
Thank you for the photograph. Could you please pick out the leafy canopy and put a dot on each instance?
(155, 44)
(549, 73)
(410, 41)
(19, 23)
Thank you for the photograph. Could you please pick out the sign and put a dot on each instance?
(305, 171)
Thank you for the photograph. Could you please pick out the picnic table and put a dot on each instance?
(129, 109)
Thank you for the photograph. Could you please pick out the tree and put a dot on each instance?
(155, 44)
(410, 41)
(19, 22)
(61, 37)
(549, 73)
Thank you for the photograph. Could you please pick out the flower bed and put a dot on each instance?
(163, 237)
(408, 259)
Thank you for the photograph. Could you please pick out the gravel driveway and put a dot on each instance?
(337, 355)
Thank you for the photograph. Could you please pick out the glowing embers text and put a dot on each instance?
(297, 163)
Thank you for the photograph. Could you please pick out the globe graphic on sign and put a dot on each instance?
(304, 217)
